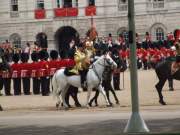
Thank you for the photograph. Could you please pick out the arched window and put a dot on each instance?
(159, 34)
(40, 4)
(15, 39)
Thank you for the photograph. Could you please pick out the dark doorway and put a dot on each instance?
(41, 40)
(63, 37)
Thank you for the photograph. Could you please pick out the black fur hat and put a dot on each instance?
(15, 58)
(34, 56)
(54, 54)
(43, 55)
(24, 57)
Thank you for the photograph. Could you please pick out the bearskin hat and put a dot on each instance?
(178, 58)
(34, 56)
(54, 54)
(43, 55)
(15, 58)
(24, 57)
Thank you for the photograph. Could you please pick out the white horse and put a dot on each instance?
(61, 82)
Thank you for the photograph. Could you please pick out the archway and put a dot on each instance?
(63, 36)
(41, 40)
(15, 39)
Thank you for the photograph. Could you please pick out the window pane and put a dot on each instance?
(159, 34)
(91, 2)
(67, 3)
(58, 3)
(40, 4)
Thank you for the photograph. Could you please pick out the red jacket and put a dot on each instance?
(16, 70)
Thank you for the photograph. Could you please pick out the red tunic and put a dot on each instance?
(16, 70)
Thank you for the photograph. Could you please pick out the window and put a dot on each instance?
(67, 3)
(156, 4)
(122, 5)
(58, 3)
(15, 39)
(159, 34)
(91, 2)
(14, 5)
(40, 4)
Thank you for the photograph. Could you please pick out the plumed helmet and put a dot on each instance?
(15, 58)
(24, 57)
(34, 56)
(54, 54)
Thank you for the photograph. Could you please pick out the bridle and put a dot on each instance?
(104, 65)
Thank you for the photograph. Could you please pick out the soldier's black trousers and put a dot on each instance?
(1, 83)
(26, 85)
(7, 85)
(45, 86)
(36, 85)
(17, 86)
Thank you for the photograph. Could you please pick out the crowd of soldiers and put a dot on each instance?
(42, 68)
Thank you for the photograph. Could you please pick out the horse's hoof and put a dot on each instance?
(78, 105)
(57, 106)
(162, 102)
(90, 104)
(110, 105)
(117, 103)
(171, 89)
(1, 109)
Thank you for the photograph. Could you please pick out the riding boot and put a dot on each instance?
(83, 78)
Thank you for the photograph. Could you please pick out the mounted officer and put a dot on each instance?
(81, 66)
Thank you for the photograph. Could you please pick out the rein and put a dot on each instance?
(95, 71)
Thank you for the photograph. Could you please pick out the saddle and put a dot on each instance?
(68, 73)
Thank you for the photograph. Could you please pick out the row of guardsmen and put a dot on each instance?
(40, 70)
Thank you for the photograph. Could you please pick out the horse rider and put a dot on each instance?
(81, 66)
(176, 64)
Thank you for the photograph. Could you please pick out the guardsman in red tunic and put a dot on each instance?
(53, 63)
(34, 73)
(44, 72)
(6, 76)
(16, 75)
(25, 73)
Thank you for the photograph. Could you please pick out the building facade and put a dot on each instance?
(22, 20)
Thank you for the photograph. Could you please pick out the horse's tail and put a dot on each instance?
(55, 86)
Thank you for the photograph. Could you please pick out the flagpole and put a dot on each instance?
(136, 123)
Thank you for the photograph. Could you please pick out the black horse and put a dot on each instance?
(163, 71)
(106, 83)
(107, 78)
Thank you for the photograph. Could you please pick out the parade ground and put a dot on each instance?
(36, 114)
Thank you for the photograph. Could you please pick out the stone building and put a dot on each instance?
(27, 20)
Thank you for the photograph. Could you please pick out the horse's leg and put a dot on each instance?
(114, 94)
(159, 87)
(74, 92)
(63, 94)
(88, 96)
(68, 93)
(58, 100)
(104, 94)
(94, 98)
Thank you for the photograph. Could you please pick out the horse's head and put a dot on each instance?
(109, 62)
